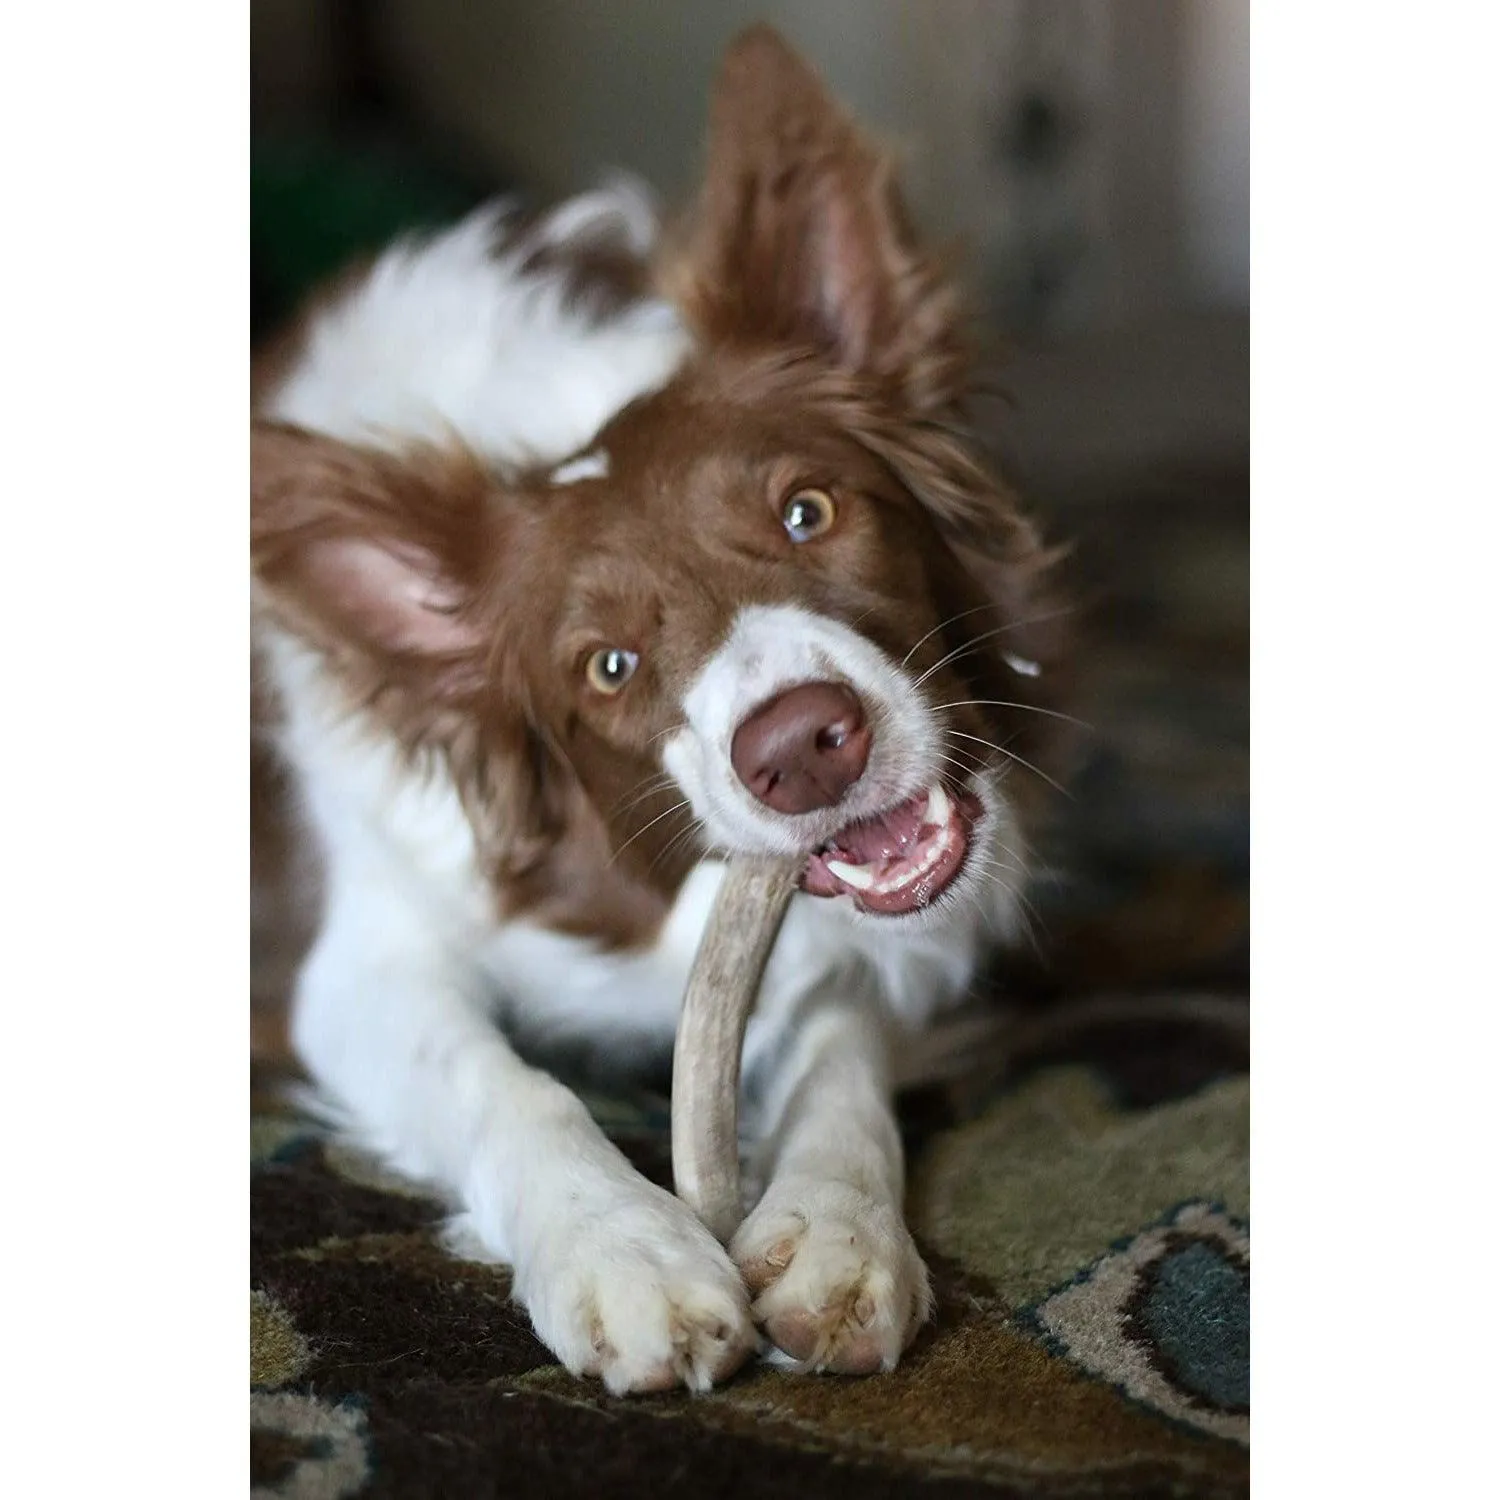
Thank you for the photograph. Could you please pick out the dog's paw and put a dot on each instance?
(640, 1295)
(838, 1282)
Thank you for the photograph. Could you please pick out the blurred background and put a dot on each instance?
(1093, 159)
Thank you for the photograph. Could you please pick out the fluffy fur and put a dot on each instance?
(502, 450)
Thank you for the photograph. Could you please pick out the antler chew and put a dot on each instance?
(721, 993)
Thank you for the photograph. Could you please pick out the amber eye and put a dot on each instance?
(808, 514)
(610, 669)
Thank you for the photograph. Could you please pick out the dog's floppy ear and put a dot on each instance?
(372, 557)
(381, 562)
(799, 235)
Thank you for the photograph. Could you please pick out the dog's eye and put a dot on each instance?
(609, 670)
(808, 514)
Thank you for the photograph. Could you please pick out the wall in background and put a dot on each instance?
(1094, 157)
(291, 60)
(1216, 144)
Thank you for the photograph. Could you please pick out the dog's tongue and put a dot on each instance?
(887, 837)
(900, 861)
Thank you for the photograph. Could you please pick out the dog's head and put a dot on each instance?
(776, 605)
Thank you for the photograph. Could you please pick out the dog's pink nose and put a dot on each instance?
(804, 749)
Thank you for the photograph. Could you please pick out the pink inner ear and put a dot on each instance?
(847, 275)
(390, 594)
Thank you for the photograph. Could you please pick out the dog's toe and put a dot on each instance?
(839, 1284)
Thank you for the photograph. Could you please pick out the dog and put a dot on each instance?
(585, 555)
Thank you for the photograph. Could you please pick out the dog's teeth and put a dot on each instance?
(861, 877)
(939, 809)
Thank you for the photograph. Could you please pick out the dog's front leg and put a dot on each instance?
(839, 1284)
(620, 1280)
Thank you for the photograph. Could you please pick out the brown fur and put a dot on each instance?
(800, 238)
(830, 355)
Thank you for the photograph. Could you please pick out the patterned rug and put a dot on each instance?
(1084, 1208)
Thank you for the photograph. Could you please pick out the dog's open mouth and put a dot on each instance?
(902, 860)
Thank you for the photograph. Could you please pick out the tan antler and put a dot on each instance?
(721, 993)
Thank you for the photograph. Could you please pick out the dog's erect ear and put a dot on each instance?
(370, 556)
(799, 235)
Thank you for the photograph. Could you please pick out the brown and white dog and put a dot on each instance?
(583, 558)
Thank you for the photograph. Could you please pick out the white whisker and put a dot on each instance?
(1011, 755)
(645, 789)
(1050, 713)
(675, 807)
(695, 827)
(976, 768)
(944, 624)
(967, 649)
(1041, 619)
